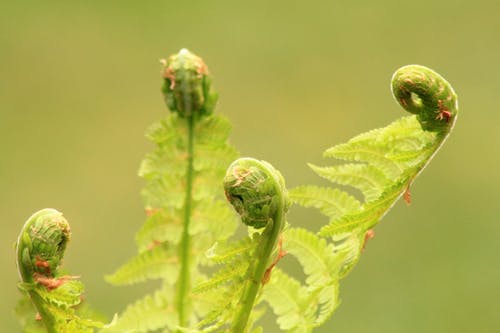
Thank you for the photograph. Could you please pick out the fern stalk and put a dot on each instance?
(257, 278)
(185, 94)
(185, 248)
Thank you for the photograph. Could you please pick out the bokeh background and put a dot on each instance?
(79, 84)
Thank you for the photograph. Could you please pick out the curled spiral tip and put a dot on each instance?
(422, 91)
(187, 86)
(256, 190)
(41, 244)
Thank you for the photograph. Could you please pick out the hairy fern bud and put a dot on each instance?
(187, 87)
(41, 244)
(254, 188)
(422, 91)
(40, 250)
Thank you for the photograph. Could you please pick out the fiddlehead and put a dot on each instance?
(41, 244)
(255, 189)
(422, 91)
(40, 249)
(257, 192)
(187, 87)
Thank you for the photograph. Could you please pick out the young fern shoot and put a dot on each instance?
(55, 296)
(257, 192)
(392, 156)
(185, 208)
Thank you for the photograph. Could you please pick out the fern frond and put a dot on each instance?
(369, 215)
(161, 226)
(321, 266)
(229, 281)
(161, 262)
(348, 247)
(223, 253)
(147, 314)
(367, 178)
(393, 157)
(332, 202)
(184, 202)
(386, 162)
(229, 273)
(366, 152)
(287, 298)
(303, 307)
(314, 254)
(220, 316)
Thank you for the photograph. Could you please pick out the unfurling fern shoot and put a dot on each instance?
(40, 249)
(257, 192)
(184, 203)
(391, 158)
(427, 94)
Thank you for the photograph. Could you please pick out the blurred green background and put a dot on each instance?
(80, 83)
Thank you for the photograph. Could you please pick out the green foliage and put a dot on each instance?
(147, 314)
(210, 281)
(387, 162)
(316, 299)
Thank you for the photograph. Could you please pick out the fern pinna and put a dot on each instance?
(183, 201)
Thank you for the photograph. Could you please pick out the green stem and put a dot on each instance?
(47, 317)
(185, 247)
(270, 239)
(188, 93)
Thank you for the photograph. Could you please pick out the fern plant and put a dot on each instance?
(184, 203)
(211, 280)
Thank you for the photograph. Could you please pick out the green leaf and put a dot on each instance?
(286, 297)
(331, 202)
(368, 179)
(161, 262)
(67, 295)
(147, 314)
